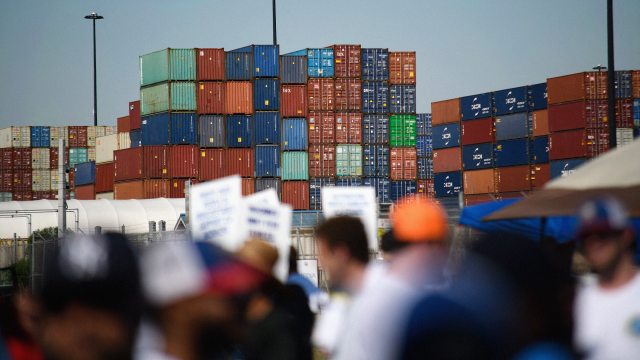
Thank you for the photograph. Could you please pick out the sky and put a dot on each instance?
(463, 47)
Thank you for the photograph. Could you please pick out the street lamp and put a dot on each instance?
(94, 16)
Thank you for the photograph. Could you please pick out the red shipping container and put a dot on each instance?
(445, 160)
(141, 162)
(42, 195)
(320, 94)
(248, 186)
(124, 124)
(513, 178)
(296, 194)
(476, 199)
(210, 64)
(479, 182)
(128, 190)
(72, 179)
(177, 186)
(635, 84)
(624, 113)
(211, 98)
(402, 67)
(53, 157)
(540, 122)
(211, 164)
(348, 128)
(239, 161)
(580, 86)
(293, 101)
(77, 136)
(155, 188)
(445, 111)
(183, 161)
(540, 175)
(578, 143)
(6, 159)
(22, 180)
(134, 115)
(426, 188)
(321, 128)
(589, 114)
(477, 131)
(22, 158)
(404, 164)
(238, 97)
(85, 192)
(105, 177)
(322, 161)
(348, 94)
(347, 61)
(22, 195)
(6, 180)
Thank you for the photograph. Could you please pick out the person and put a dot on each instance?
(607, 307)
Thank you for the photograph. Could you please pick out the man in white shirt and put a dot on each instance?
(607, 308)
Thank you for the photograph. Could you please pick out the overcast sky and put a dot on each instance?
(463, 46)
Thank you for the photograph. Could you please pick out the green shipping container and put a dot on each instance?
(348, 160)
(77, 156)
(402, 130)
(6, 196)
(295, 165)
(175, 96)
(167, 65)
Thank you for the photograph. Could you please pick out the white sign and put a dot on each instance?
(309, 269)
(267, 196)
(358, 202)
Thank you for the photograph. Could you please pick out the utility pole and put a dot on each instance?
(275, 37)
(93, 16)
(611, 90)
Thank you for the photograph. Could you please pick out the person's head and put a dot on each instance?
(91, 299)
(259, 254)
(605, 234)
(342, 245)
(293, 260)
(416, 220)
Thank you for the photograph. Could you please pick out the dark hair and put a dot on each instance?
(293, 260)
(348, 232)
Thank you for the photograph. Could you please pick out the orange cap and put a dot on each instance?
(417, 219)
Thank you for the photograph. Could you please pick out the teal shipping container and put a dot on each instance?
(167, 65)
(348, 160)
(295, 165)
(77, 156)
(175, 96)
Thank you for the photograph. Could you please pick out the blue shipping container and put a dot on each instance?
(211, 131)
(155, 129)
(267, 161)
(265, 59)
(349, 182)
(375, 160)
(135, 136)
(476, 106)
(636, 113)
(266, 127)
(478, 156)
(446, 136)
(85, 173)
(294, 134)
(510, 101)
(424, 145)
(319, 62)
(41, 137)
(447, 184)
(375, 129)
(425, 168)
(375, 64)
(293, 69)
(239, 131)
(562, 168)
(400, 189)
(266, 94)
(539, 150)
(382, 187)
(623, 84)
(423, 124)
(512, 152)
(269, 183)
(238, 65)
(315, 191)
(513, 126)
(375, 97)
(537, 96)
(184, 129)
(402, 99)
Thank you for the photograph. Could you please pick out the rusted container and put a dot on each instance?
(134, 115)
(105, 176)
(6, 159)
(183, 161)
(348, 94)
(513, 178)
(124, 124)
(77, 136)
(238, 97)
(85, 192)
(248, 186)
(322, 161)
(22, 179)
(540, 122)
(635, 84)
(155, 188)
(239, 161)
(479, 182)
(53, 157)
(128, 190)
(470, 200)
(321, 128)
(6, 180)
(347, 61)
(211, 164)
(293, 100)
(320, 94)
(177, 187)
(211, 97)
(404, 165)
(348, 128)
(209, 64)
(580, 86)
(477, 131)
(140, 163)
(447, 160)
(578, 143)
(540, 175)
(445, 111)
(22, 158)
(296, 194)
(426, 188)
(402, 67)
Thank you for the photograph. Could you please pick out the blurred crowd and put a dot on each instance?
(506, 298)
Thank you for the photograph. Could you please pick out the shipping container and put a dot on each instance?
(238, 65)
(211, 97)
(184, 129)
(6, 159)
(315, 191)
(445, 136)
(105, 177)
(40, 158)
(424, 146)
(580, 114)
(295, 165)
(423, 124)
(322, 160)
(578, 143)
(265, 62)
(43, 195)
(447, 160)
(540, 175)
(135, 138)
(476, 106)
(375, 129)
(477, 131)
(177, 187)
(348, 160)
(382, 188)
(167, 64)
(636, 113)
(77, 136)
(239, 134)
(400, 189)
(266, 94)
(238, 97)
(248, 186)
(293, 100)
(56, 133)
(296, 194)
(6, 180)
(294, 134)
(512, 126)
(128, 190)
(53, 157)
(22, 180)
(347, 60)
(375, 97)
(267, 161)
(105, 196)
(142, 162)
(322, 128)
(512, 152)
(445, 111)
(15, 136)
(348, 128)
(91, 154)
(624, 113)
(562, 168)
(624, 136)
(348, 94)
(537, 96)
(354, 181)
(293, 69)
(470, 200)
(85, 173)
(425, 168)
(479, 182)
(447, 184)
(623, 84)
(402, 99)
(511, 101)
(55, 177)
(514, 178)
(635, 84)
(6, 197)
(156, 130)
(539, 123)
(266, 127)
(183, 161)
(210, 64)
(40, 180)
(376, 160)
(320, 62)
(105, 146)
(124, 140)
(22, 195)
(175, 96)
(402, 130)
(240, 162)
(425, 188)
(539, 150)
(320, 94)
(40, 136)
(21, 158)
(266, 183)
(402, 67)
(211, 131)
(156, 188)
(477, 156)
(403, 164)
(77, 156)
(375, 64)
(91, 135)
(85, 192)
(123, 124)
(211, 164)
(581, 86)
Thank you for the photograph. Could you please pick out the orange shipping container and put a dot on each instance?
(211, 97)
(513, 178)
(211, 164)
(477, 199)
(540, 122)
(239, 161)
(635, 81)
(238, 97)
(177, 186)
(426, 188)
(403, 163)
(210, 64)
(402, 67)
(296, 194)
(320, 94)
(293, 100)
(248, 186)
(128, 190)
(322, 160)
(479, 182)
(446, 160)
(348, 94)
(540, 175)
(183, 161)
(105, 177)
(580, 86)
(348, 128)
(156, 188)
(445, 111)
(85, 192)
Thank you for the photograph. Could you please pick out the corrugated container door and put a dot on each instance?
(476, 106)
(510, 101)
(211, 97)
(135, 138)
(266, 60)
(296, 194)
(105, 177)
(348, 94)
(400, 189)
(376, 160)
(447, 184)
(479, 182)
(424, 146)
(322, 160)
(91, 136)
(295, 165)
(539, 150)
(513, 126)
(239, 161)
(210, 64)
(425, 168)
(154, 99)
(347, 61)
(85, 173)
(264, 184)
(267, 161)
(155, 129)
(294, 135)
(266, 94)
(211, 164)
(315, 191)
(445, 111)
(248, 186)
(402, 67)
(239, 131)
(239, 65)
(293, 69)
(40, 180)
(105, 146)
(477, 156)
(211, 131)
(512, 152)
(238, 97)
(183, 128)
(375, 129)
(40, 158)
(348, 128)
(154, 67)
(348, 160)
(6, 159)
(320, 94)
(320, 63)
(321, 128)
(537, 96)
(183, 96)
(382, 188)
(539, 123)
(402, 99)
(375, 97)
(515, 178)
(134, 115)
(375, 64)
(183, 161)
(293, 100)
(423, 124)
(266, 127)
(156, 188)
(182, 64)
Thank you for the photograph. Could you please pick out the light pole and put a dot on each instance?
(275, 38)
(611, 101)
(94, 16)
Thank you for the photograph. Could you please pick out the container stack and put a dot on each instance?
(424, 152)
(447, 163)
(635, 92)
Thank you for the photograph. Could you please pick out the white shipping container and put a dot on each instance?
(624, 136)
(91, 135)
(91, 154)
(54, 180)
(56, 133)
(40, 158)
(106, 196)
(15, 136)
(124, 141)
(105, 146)
(41, 180)
(103, 131)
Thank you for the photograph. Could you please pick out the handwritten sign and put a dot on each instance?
(358, 202)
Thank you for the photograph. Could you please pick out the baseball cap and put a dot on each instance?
(417, 219)
(602, 215)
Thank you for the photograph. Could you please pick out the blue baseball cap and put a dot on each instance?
(602, 215)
